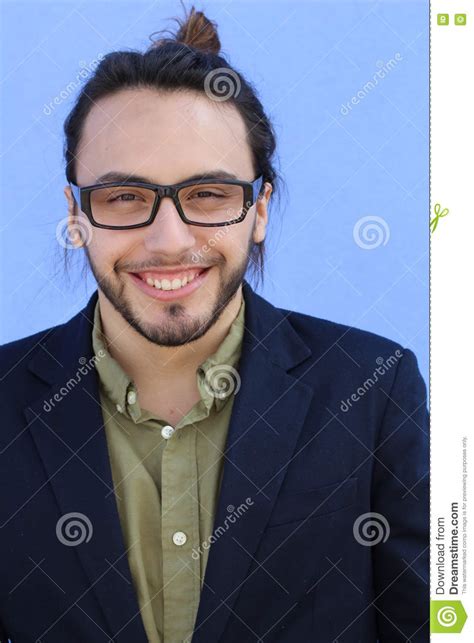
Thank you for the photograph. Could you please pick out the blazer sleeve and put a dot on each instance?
(400, 493)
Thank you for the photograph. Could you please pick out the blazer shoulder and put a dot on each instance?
(323, 335)
(16, 353)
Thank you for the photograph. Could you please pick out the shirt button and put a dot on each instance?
(119, 408)
(131, 397)
(179, 538)
(167, 431)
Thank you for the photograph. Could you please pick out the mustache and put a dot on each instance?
(157, 265)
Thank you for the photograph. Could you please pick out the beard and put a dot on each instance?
(179, 327)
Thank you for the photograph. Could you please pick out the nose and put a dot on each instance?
(168, 234)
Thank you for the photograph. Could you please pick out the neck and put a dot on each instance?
(146, 362)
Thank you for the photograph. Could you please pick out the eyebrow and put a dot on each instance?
(123, 177)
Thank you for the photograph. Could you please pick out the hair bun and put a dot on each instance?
(196, 31)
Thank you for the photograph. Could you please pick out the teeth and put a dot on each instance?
(166, 284)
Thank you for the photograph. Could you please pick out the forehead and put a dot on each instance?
(165, 136)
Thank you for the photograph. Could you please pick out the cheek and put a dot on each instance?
(107, 248)
(231, 242)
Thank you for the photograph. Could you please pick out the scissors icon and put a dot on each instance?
(438, 214)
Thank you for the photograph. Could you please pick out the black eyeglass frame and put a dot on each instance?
(82, 196)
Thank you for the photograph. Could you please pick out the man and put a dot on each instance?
(183, 460)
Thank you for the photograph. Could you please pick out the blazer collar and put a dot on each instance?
(268, 414)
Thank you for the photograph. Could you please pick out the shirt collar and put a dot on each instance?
(217, 377)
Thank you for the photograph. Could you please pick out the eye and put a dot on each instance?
(206, 192)
(119, 197)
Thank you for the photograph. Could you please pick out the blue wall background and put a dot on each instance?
(341, 166)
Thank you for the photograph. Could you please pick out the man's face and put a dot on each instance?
(167, 139)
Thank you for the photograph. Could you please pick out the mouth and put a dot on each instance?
(170, 286)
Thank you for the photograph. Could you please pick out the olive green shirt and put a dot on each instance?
(167, 482)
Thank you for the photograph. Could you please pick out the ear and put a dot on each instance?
(262, 214)
(70, 200)
(74, 229)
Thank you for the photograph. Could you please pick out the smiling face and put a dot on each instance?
(152, 275)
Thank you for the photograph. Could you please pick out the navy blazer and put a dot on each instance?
(316, 441)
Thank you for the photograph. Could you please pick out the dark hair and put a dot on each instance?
(182, 62)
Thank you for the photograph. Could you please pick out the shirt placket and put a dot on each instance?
(180, 533)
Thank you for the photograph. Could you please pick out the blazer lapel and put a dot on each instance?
(268, 413)
(71, 441)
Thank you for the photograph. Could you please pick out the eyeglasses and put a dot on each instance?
(122, 206)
